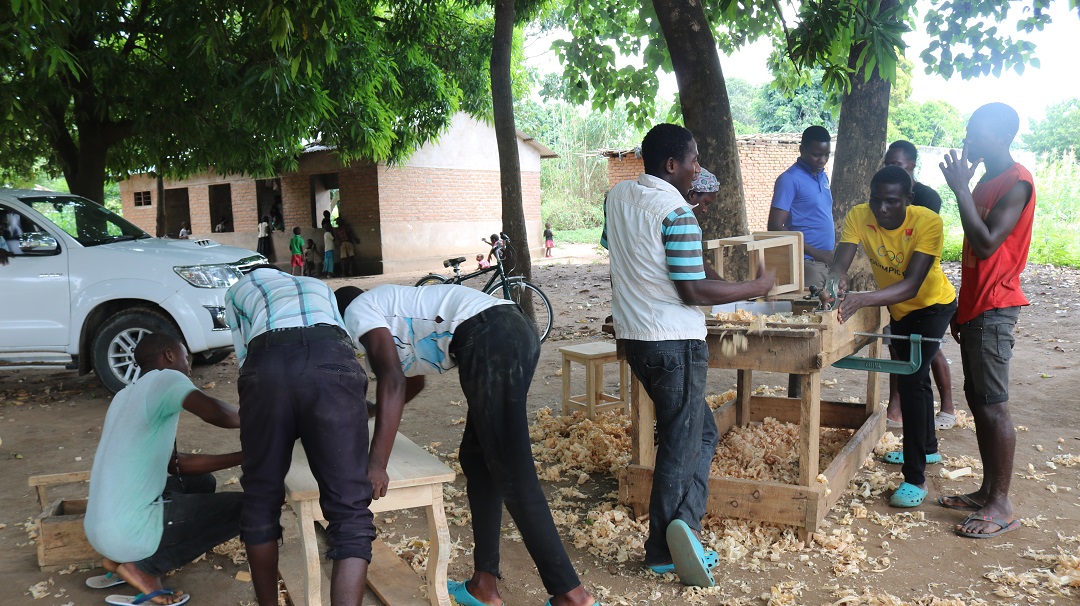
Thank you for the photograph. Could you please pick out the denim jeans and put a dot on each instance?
(196, 519)
(497, 351)
(673, 374)
(916, 394)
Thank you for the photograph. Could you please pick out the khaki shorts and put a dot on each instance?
(986, 344)
(346, 250)
(814, 274)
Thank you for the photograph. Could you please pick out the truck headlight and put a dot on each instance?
(209, 276)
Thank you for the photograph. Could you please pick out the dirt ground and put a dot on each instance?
(868, 553)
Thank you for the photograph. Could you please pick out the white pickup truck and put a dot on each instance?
(82, 285)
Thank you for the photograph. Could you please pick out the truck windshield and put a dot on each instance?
(89, 223)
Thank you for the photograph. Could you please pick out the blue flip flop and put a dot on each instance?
(896, 457)
(143, 598)
(688, 556)
(711, 560)
(907, 495)
(461, 594)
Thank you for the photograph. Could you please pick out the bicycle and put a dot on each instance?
(527, 295)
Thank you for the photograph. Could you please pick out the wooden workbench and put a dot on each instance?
(799, 349)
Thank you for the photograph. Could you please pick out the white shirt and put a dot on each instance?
(264, 230)
(645, 304)
(422, 320)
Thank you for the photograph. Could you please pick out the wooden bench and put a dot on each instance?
(416, 479)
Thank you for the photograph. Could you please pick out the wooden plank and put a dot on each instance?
(768, 354)
(392, 580)
(732, 497)
(725, 417)
(873, 380)
(780, 251)
(809, 428)
(850, 458)
(839, 415)
(300, 568)
(642, 425)
(42, 482)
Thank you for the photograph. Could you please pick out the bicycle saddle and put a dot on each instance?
(454, 261)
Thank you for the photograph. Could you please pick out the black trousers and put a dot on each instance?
(196, 519)
(916, 393)
(311, 389)
(497, 351)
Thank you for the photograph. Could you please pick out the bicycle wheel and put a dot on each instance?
(532, 300)
(430, 279)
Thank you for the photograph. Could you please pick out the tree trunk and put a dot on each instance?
(506, 136)
(861, 138)
(162, 220)
(705, 109)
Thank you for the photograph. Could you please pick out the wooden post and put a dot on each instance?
(565, 385)
(744, 388)
(809, 428)
(439, 550)
(873, 379)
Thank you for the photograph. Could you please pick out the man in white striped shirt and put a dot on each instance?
(299, 378)
(658, 277)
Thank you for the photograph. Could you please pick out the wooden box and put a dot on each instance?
(61, 539)
(780, 251)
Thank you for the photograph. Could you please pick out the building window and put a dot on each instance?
(142, 198)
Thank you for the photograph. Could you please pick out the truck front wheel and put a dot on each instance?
(114, 344)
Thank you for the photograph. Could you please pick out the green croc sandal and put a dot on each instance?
(907, 495)
(896, 457)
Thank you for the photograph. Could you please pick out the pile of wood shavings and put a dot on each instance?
(743, 315)
(415, 550)
(611, 532)
(569, 445)
(769, 451)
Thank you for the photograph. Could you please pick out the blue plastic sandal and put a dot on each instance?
(711, 560)
(688, 556)
(896, 457)
(461, 594)
(907, 495)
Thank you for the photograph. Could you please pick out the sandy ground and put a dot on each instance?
(50, 422)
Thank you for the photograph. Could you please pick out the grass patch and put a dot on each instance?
(584, 235)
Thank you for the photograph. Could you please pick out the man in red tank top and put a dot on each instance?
(997, 218)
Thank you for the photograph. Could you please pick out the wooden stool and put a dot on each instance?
(416, 479)
(593, 356)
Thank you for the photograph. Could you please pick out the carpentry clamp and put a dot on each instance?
(896, 367)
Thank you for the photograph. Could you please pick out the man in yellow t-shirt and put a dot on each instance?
(904, 244)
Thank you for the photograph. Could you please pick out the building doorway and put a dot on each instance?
(177, 211)
(221, 217)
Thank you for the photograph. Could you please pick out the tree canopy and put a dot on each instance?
(1058, 132)
(104, 87)
(935, 123)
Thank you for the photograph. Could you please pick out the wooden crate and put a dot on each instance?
(780, 251)
(61, 539)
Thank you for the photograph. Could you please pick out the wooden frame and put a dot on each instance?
(804, 351)
(416, 479)
(780, 251)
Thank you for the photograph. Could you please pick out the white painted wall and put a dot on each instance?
(470, 144)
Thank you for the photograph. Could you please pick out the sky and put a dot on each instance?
(1055, 80)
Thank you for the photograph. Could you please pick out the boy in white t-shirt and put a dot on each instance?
(143, 521)
(407, 332)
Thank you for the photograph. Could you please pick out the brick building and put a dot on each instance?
(761, 160)
(437, 204)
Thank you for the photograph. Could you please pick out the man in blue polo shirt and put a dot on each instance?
(802, 201)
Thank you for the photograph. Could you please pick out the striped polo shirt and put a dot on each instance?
(654, 240)
(268, 299)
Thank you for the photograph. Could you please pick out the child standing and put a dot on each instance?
(263, 247)
(549, 240)
(310, 254)
(328, 252)
(296, 247)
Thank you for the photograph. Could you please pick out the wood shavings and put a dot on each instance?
(611, 532)
(849, 597)
(1068, 460)
(232, 549)
(767, 451)
(952, 474)
(572, 444)
(41, 590)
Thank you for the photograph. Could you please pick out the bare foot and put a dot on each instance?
(141, 581)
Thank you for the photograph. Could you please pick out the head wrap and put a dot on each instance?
(705, 183)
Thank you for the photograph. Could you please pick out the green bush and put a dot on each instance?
(567, 213)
